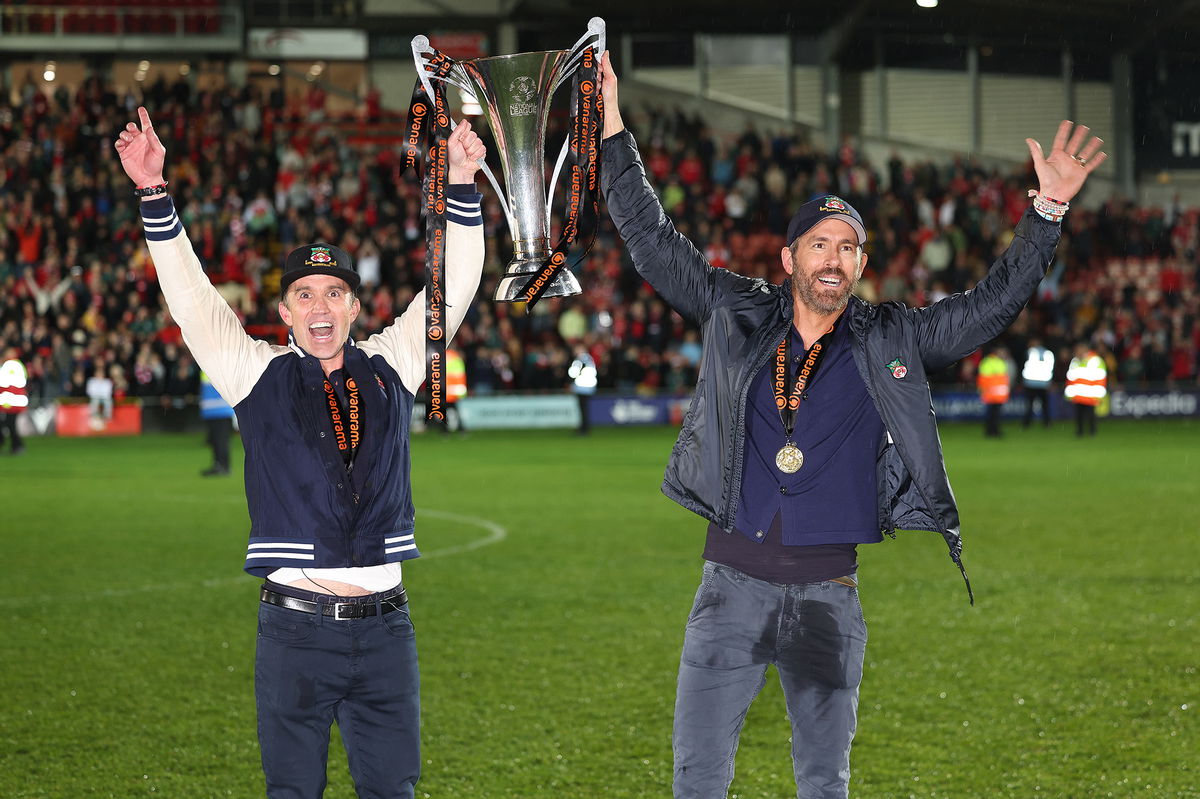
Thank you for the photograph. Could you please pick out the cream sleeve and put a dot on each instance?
(402, 343)
(233, 360)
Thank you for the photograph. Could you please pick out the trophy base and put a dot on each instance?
(565, 284)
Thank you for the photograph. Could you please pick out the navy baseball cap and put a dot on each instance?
(318, 259)
(821, 208)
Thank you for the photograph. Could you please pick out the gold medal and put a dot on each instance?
(789, 459)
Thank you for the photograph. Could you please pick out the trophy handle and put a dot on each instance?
(458, 79)
(595, 37)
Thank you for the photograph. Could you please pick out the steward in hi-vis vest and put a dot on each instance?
(218, 423)
(456, 389)
(992, 381)
(1036, 375)
(1087, 386)
(456, 376)
(14, 398)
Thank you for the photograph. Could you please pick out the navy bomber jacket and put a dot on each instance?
(306, 510)
(744, 319)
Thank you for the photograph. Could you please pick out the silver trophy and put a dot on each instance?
(514, 92)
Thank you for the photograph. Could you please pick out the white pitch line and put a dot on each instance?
(495, 534)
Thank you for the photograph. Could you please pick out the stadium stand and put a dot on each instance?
(253, 175)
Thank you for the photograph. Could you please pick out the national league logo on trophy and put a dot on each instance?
(515, 93)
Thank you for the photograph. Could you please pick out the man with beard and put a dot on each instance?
(810, 432)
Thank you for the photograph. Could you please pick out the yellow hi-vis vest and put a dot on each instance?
(456, 376)
(992, 380)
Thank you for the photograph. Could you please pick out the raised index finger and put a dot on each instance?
(144, 116)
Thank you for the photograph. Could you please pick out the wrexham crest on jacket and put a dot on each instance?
(897, 368)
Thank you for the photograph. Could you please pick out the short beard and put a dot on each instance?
(823, 302)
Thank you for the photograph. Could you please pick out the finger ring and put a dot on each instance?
(1081, 161)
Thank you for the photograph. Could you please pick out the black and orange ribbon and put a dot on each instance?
(429, 128)
(789, 403)
(347, 426)
(583, 179)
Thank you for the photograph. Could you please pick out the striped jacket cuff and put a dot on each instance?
(462, 204)
(280, 551)
(395, 544)
(160, 220)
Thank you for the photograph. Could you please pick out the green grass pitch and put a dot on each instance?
(550, 605)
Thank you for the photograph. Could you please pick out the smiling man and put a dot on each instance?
(810, 432)
(324, 424)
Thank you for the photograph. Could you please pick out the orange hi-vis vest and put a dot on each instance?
(1087, 380)
(992, 380)
(456, 376)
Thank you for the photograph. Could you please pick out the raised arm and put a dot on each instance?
(956, 326)
(211, 329)
(402, 343)
(663, 256)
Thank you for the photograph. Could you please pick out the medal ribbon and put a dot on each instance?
(583, 161)
(790, 403)
(429, 128)
(347, 443)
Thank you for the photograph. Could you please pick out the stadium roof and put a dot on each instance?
(1087, 26)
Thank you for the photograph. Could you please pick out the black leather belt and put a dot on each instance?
(338, 610)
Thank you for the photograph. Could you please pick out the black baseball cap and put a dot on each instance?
(318, 259)
(821, 208)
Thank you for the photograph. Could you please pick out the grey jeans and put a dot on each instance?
(814, 635)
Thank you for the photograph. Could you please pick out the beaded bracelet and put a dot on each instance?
(1048, 208)
(151, 191)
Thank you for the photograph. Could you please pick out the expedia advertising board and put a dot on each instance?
(1142, 404)
(965, 406)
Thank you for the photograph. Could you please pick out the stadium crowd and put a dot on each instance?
(254, 174)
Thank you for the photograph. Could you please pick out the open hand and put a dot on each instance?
(464, 151)
(142, 154)
(1063, 172)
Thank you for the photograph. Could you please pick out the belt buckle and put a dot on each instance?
(337, 611)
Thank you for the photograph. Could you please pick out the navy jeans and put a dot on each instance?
(309, 670)
(814, 635)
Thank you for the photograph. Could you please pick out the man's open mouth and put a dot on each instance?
(321, 331)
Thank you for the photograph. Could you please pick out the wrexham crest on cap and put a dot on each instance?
(833, 204)
(897, 368)
(320, 256)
